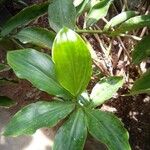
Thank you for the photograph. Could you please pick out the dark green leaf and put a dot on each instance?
(108, 129)
(142, 50)
(6, 102)
(72, 135)
(142, 85)
(105, 89)
(37, 36)
(98, 11)
(72, 60)
(132, 24)
(36, 67)
(61, 13)
(24, 16)
(120, 18)
(37, 115)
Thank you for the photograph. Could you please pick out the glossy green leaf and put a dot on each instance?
(73, 133)
(6, 102)
(98, 11)
(37, 68)
(24, 16)
(108, 129)
(132, 24)
(37, 36)
(142, 50)
(61, 13)
(37, 115)
(120, 18)
(72, 60)
(105, 89)
(142, 85)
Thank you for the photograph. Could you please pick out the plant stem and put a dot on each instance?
(90, 31)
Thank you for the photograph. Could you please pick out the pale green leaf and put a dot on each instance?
(62, 13)
(142, 50)
(120, 18)
(72, 60)
(105, 89)
(24, 16)
(72, 134)
(37, 115)
(132, 24)
(98, 11)
(37, 36)
(37, 68)
(108, 129)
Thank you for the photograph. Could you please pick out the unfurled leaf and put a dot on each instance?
(37, 115)
(72, 61)
(98, 11)
(132, 24)
(142, 85)
(61, 13)
(108, 129)
(105, 89)
(37, 68)
(37, 36)
(120, 18)
(6, 102)
(24, 16)
(72, 134)
(142, 50)
(77, 2)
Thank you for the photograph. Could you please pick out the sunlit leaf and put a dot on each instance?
(61, 13)
(120, 18)
(24, 16)
(37, 115)
(132, 24)
(72, 60)
(72, 134)
(142, 85)
(108, 129)
(142, 50)
(37, 68)
(98, 11)
(105, 89)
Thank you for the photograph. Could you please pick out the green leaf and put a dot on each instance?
(37, 68)
(4, 67)
(132, 24)
(62, 13)
(77, 2)
(108, 129)
(37, 36)
(120, 18)
(24, 16)
(6, 102)
(37, 115)
(83, 7)
(72, 135)
(72, 60)
(142, 50)
(142, 85)
(98, 11)
(105, 89)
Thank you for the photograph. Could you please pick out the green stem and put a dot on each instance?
(90, 31)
